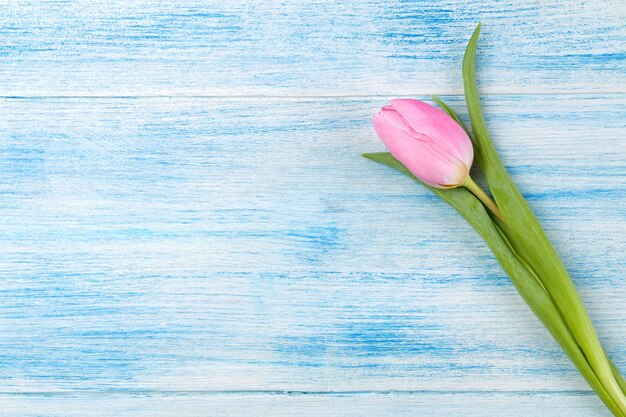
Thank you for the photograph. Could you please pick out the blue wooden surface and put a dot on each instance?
(188, 229)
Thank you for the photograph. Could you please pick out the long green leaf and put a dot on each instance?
(530, 241)
(527, 285)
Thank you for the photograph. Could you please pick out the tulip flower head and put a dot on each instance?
(427, 141)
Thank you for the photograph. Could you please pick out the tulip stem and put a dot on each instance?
(482, 196)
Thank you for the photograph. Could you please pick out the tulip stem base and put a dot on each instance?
(484, 197)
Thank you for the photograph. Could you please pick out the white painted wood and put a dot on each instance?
(216, 244)
(298, 47)
(344, 405)
(187, 227)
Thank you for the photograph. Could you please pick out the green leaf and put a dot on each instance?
(528, 285)
(528, 239)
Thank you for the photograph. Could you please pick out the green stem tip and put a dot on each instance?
(482, 196)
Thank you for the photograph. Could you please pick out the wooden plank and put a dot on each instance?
(279, 405)
(211, 47)
(243, 244)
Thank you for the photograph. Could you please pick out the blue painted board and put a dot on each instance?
(176, 245)
(305, 405)
(322, 47)
(187, 227)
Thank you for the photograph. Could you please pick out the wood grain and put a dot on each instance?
(302, 405)
(215, 245)
(322, 47)
(188, 228)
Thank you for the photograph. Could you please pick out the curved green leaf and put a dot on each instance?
(530, 241)
(528, 285)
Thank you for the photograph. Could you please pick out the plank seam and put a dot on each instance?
(280, 392)
(291, 97)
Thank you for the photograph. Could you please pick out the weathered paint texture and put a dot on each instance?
(187, 228)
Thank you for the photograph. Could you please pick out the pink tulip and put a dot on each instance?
(427, 141)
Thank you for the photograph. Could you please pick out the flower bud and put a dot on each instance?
(427, 141)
